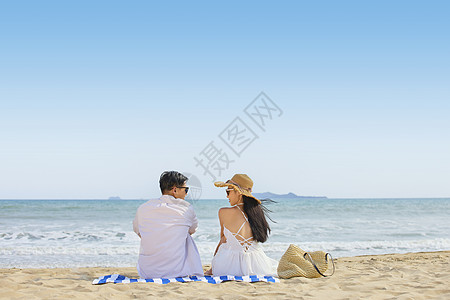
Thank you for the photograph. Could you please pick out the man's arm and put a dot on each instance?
(194, 220)
(135, 225)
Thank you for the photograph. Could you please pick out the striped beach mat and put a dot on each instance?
(116, 278)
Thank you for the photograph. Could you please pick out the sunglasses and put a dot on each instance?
(186, 188)
(228, 191)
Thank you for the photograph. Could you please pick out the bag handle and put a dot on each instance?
(326, 260)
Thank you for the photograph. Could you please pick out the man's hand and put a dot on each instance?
(209, 272)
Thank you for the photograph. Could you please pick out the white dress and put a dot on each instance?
(242, 257)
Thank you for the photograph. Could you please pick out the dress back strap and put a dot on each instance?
(239, 230)
(246, 220)
(245, 217)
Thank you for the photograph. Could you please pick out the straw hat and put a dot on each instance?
(296, 262)
(240, 183)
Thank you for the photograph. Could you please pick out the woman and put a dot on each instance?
(242, 227)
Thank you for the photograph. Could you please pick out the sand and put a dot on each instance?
(392, 276)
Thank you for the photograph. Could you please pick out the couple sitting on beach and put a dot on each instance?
(165, 226)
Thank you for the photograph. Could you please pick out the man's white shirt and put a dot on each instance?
(167, 249)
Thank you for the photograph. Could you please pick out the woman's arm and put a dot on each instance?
(222, 236)
(222, 240)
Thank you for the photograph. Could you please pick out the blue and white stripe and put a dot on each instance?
(116, 278)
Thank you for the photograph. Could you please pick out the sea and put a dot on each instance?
(98, 233)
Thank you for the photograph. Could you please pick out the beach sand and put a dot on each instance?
(391, 276)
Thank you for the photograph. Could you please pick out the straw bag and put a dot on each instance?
(296, 262)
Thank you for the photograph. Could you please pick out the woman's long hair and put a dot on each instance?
(256, 214)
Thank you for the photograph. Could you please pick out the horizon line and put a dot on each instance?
(304, 197)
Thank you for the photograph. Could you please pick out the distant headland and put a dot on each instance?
(289, 195)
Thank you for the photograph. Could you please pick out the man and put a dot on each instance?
(165, 226)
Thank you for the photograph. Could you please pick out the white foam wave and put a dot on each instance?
(37, 251)
(123, 255)
(354, 248)
(72, 236)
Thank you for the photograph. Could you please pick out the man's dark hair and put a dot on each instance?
(169, 179)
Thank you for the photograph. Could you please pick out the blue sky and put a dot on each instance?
(97, 99)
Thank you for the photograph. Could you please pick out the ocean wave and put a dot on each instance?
(354, 248)
(73, 233)
(74, 236)
(36, 251)
(108, 255)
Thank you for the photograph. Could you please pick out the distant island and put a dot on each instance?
(114, 198)
(289, 195)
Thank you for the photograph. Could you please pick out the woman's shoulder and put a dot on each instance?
(226, 211)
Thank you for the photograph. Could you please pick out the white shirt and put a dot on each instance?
(167, 248)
